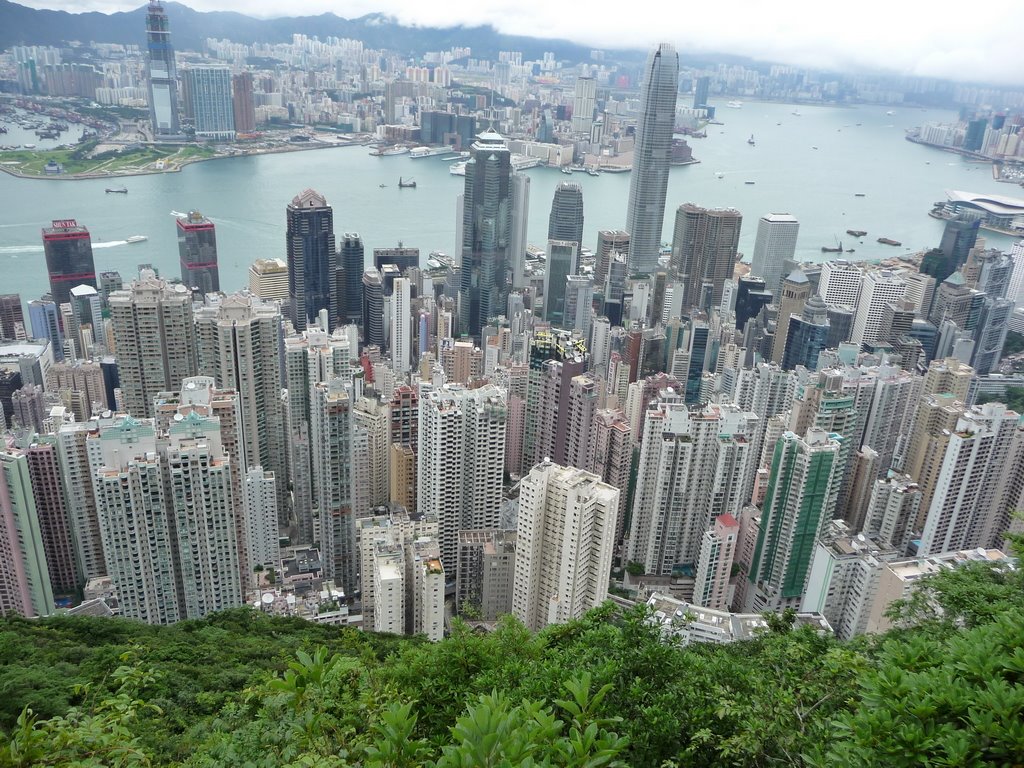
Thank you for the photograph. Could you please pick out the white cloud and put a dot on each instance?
(936, 39)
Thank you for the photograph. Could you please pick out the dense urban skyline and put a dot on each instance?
(902, 40)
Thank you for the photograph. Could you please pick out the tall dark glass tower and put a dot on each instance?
(486, 231)
(652, 153)
(197, 252)
(163, 83)
(69, 262)
(311, 260)
(566, 219)
(350, 285)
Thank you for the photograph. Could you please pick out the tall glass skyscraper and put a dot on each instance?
(652, 152)
(350, 285)
(486, 233)
(312, 259)
(163, 85)
(69, 262)
(566, 219)
(197, 252)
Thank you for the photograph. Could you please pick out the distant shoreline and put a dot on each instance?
(11, 170)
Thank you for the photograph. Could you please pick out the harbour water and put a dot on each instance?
(813, 165)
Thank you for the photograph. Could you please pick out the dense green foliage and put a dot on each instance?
(1014, 343)
(944, 688)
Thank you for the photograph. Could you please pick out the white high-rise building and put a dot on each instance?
(564, 541)
(461, 460)
(839, 284)
(520, 183)
(401, 326)
(155, 338)
(312, 357)
(970, 505)
(372, 417)
(136, 530)
(426, 583)
(260, 506)
(775, 243)
(1016, 290)
(200, 502)
(711, 587)
(239, 341)
(331, 436)
(390, 529)
(694, 466)
(583, 103)
(878, 288)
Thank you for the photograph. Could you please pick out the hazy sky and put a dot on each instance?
(940, 38)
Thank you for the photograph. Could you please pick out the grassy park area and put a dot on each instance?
(84, 162)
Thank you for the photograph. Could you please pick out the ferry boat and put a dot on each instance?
(735, 105)
(567, 170)
(391, 151)
(419, 152)
(457, 169)
(136, 239)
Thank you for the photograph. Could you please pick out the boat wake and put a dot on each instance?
(14, 250)
(109, 244)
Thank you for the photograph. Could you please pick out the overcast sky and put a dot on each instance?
(940, 38)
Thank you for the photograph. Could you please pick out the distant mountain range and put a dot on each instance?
(20, 25)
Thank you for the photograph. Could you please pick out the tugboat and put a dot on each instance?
(118, 190)
(403, 184)
(837, 249)
(750, 141)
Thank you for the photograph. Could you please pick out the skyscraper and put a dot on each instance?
(197, 252)
(155, 338)
(776, 242)
(69, 262)
(24, 578)
(239, 341)
(564, 541)
(12, 318)
(461, 460)
(565, 221)
(648, 184)
(704, 246)
(561, 262)
(878, 289)
(242, 102)
(45, 323)
(583, 103)
(609, 243)
(312, 259)
(486, 233)
(796, 289)
(373, 308)
(163, 81)
(209, 91)
(350, 289)
(401, 326)
(693, 466)
(800, 502)
(520, 228)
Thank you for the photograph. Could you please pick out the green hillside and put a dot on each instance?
(242, 689)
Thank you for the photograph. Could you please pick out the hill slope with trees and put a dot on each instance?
(244, 689)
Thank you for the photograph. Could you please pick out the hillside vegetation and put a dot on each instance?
(243, 689)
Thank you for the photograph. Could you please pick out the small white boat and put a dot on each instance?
(136, 239)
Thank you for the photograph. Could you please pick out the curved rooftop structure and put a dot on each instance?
(998, 204)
